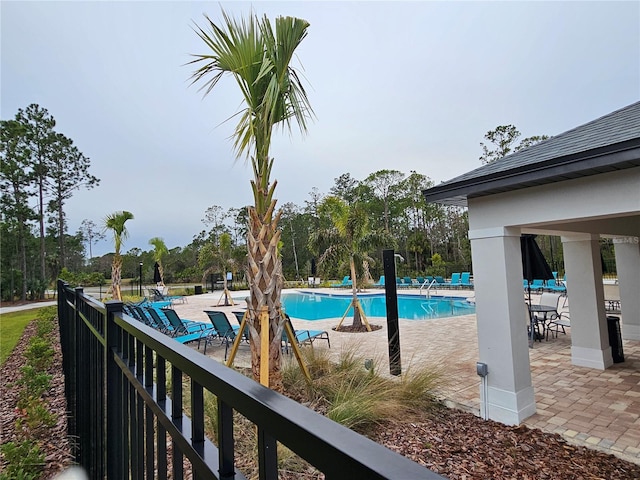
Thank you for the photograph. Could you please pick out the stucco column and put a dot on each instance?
(501, 317)
(628, 266)
(589, 335)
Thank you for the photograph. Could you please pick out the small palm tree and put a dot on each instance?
(214, 257)
(159, 250)
(258, 57)
(115, 222)
(347, 242)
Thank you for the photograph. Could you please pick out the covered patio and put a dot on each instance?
(581, 185)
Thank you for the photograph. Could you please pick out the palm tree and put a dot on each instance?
(115, 222)
(347, 241)
(258, 58)
(159, 250)
(214, 257)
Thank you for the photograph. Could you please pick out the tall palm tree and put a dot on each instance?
(347, 241)
(115, 222)
(258, 57)
(159, 250)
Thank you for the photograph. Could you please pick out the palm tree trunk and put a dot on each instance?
(357, 321)
(116, 277)
(264, 272)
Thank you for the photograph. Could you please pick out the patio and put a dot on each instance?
(596, 408)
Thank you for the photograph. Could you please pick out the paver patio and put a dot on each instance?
(599, 409)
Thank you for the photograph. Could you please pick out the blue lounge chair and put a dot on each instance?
(303, 336)
(226, 332)
(439, 281)
(346, 282)
(536, 285)
(407, 282)
(454, 282)
(181, 326)
(465, 279)
(380, 282)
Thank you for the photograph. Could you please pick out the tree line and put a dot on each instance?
(40, 170)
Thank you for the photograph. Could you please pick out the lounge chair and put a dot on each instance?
(420, 280)
(380, 282)
(225, 331)
(158, 296)
(454, 282)
(181, 326)
(407, 282)
(440, 281)
(303, 336)
(536, 285)
(465, 279)
(346, 282)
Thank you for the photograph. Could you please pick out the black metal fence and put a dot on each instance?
(129, 420)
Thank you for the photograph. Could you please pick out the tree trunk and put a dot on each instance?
(264, 271)
(116, 277)
(357, 321)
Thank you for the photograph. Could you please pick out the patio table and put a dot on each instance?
(544, 310)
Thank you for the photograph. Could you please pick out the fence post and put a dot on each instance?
(113, 375)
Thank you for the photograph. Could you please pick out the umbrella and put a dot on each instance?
(534, 265)
(156, 273)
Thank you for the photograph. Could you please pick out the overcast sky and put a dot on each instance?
(394, 85)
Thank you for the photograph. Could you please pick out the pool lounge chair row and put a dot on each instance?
(346, 282)
(458, 280)
(539, 286)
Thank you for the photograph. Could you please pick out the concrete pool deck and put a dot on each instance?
(595, 408)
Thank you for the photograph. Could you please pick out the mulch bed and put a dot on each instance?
(56, 446)
(453, 443)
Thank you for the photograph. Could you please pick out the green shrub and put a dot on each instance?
(34, 382)
(39, 353)
(24, 460)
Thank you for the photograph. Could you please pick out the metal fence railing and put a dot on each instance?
(130, 422)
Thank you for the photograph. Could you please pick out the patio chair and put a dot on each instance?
(561, 322)
(380, 282)
(226, 332)
(440, 281)
(545, 318)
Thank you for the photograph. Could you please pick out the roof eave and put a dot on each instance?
(609, 158)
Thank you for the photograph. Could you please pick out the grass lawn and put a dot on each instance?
(11, 327)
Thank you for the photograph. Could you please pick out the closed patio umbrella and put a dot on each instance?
(534, 267)
(157, 278)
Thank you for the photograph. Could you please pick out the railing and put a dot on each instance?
(428, 287)
(122, 408)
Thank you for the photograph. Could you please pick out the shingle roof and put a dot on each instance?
(591, 148)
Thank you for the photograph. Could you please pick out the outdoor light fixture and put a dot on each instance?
(140, 291)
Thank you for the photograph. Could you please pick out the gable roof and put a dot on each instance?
(611, 142)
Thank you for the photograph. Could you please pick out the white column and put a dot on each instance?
(501, 316)
(628, 266)
(589, 335)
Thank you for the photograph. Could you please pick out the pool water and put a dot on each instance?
(319, 306)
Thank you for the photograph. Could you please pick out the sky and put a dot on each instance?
(410, 86)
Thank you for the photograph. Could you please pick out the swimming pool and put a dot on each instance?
(318, 306)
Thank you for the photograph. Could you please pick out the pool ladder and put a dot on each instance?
(428, 294)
